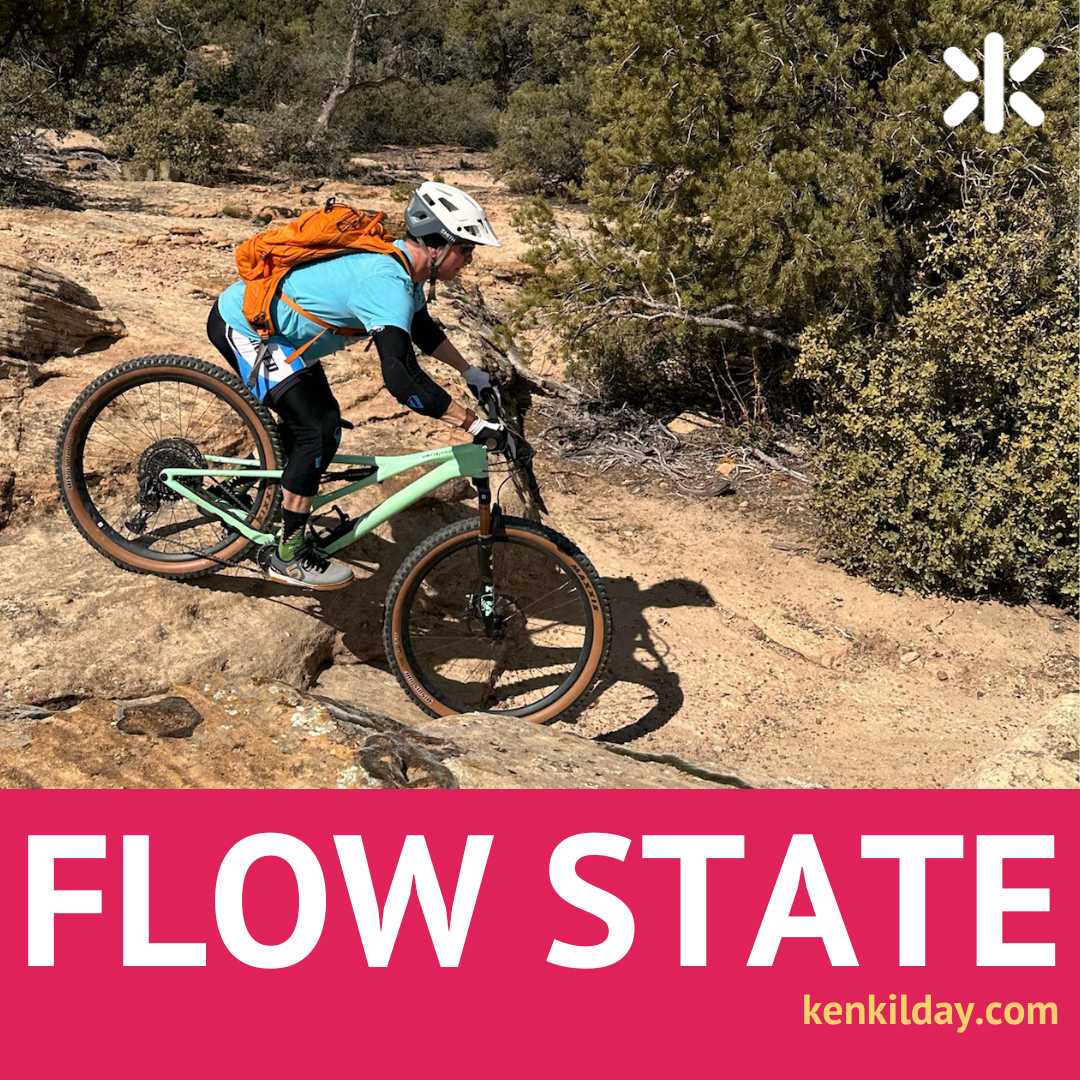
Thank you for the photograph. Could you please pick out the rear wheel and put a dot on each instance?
(156, 413)
(533, 645)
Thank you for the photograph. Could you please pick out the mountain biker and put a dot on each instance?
(374, 293)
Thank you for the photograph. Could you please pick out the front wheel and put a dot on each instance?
(532, 643)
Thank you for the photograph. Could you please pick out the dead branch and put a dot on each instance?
(668, 311)
(774, 464)
(492, 332)
(541, 384)
(635, 440)
(385, 69)
(17, 712)
(629, 439)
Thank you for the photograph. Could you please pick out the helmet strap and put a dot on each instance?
(435, 264)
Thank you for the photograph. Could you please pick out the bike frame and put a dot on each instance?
(446, 463)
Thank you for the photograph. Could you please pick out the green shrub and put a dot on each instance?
(160, 122)
(672, 367)
(27, 102)
(259, 71)
(542, 136)
(287, 138)
(455, 113)
(949, 447)
(774, 163)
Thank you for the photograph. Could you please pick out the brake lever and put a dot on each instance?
(491, 401)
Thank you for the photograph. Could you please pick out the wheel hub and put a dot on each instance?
(493, 612)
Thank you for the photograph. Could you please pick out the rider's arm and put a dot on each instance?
(430, 338)
(410, 384)
(427, 334)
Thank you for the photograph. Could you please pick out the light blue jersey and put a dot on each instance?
(363, 290)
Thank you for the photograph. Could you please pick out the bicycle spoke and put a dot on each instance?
(133, 419)
(529, 648)
(144, 429)
(552, 592)
(197, 420)
(124, 446)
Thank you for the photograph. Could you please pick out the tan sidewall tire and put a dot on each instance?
(598, 604)
(201, 374)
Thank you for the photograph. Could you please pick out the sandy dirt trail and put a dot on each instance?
(735, 646)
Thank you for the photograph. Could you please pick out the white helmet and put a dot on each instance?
(441, 210)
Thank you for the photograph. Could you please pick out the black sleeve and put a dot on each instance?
(426, 332)
(404, 377)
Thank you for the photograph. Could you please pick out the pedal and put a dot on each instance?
(343, 526)
(263, 556)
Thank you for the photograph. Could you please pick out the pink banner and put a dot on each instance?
(528, 932)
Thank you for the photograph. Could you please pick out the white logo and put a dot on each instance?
(993, 85)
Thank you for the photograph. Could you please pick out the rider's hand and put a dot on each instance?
(489, 432)
(477, 380)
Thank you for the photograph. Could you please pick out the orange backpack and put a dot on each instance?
(265, 259)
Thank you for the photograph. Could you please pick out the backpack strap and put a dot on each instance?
(263, 324)
(347, 331)
(262, 354)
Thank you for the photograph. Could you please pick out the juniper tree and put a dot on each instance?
(762, 163)
(770, 174)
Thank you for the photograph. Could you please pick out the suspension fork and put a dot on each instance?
(489, 524)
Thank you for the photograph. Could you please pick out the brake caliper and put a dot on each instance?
(482, 606)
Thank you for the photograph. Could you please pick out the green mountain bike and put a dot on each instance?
(168, 465)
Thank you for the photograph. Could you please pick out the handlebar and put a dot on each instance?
(515, 447)
(517, 450)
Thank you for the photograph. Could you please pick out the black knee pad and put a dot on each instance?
(311, 424)
(330, 440)
(304, 467)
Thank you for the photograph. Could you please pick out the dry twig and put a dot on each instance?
(773, 463)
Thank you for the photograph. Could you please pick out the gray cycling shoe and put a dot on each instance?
(309, 569)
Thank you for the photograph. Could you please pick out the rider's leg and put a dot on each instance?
(311, 414)
(295, 513)
(310, 430)
(312, 419)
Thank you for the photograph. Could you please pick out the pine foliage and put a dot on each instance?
(767, 173)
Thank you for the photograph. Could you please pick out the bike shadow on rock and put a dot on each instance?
(640, 654)
(634, 635)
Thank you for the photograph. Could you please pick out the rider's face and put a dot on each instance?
(455, 260)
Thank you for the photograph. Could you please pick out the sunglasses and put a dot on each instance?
(466, 249)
